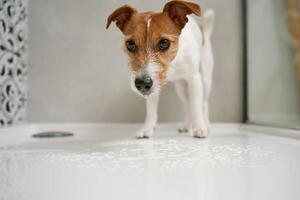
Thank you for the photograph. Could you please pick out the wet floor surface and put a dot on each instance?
(230, 165)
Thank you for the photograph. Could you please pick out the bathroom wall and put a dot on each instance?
(78, 71)
(274, 96)
(13, 61)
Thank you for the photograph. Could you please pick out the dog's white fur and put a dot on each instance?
(191, 72)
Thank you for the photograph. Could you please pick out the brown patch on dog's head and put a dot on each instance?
(151, 39)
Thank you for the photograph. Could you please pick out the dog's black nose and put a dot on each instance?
(143, 84)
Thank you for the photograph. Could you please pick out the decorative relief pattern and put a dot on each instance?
(13, 61)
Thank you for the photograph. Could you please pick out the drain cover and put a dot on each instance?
(52, 134)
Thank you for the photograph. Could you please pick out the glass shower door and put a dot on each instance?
(273, 69)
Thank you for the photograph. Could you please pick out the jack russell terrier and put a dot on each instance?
(170, 46)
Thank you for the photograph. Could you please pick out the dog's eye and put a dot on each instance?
(163, 44)
(131, 46)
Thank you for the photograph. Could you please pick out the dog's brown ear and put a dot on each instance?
(178, 10)
(121, 16)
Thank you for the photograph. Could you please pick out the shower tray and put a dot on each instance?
(105, 161)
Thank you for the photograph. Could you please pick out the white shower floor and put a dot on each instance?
(107, 162)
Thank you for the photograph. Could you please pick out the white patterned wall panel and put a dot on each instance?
(13, 61)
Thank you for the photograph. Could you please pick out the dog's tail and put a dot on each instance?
(207, 22)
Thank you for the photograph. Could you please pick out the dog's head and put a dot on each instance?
(151, 41)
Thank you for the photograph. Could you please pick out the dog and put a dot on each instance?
(170, 46)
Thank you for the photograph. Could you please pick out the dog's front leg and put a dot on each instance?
(151, 117)
(195, 89)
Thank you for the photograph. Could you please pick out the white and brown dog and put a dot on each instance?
(170, 46)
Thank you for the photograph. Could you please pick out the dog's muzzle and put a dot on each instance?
(144, 84)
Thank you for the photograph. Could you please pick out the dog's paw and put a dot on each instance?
(200, 133)
(144, 133)
(183, 129)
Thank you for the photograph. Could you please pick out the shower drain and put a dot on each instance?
(52, 134)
